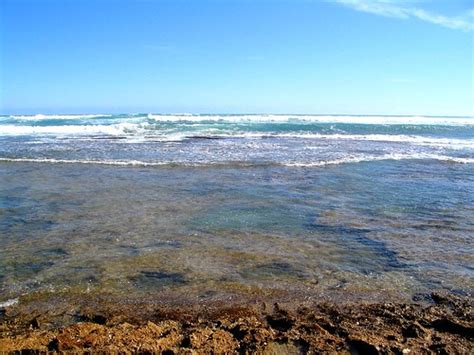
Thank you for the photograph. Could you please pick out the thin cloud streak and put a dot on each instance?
(402, 10)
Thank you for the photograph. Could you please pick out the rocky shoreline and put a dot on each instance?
(437, 323)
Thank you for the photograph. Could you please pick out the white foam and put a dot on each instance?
(345, 160)
(144, 132)
(412, 139)
(9, 303)
(368, 158)
(85, 161)
(419, 140)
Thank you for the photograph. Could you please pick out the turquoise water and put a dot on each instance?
(209, 206)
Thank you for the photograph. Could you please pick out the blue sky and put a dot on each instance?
(237, 56)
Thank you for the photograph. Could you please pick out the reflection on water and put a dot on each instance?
(376, 229)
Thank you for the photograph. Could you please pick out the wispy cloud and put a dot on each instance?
(405, 9)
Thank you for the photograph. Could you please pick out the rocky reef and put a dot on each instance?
(434, 323)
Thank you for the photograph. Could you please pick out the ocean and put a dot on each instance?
(226, 207)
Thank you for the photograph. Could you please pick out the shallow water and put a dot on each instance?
(261, 214)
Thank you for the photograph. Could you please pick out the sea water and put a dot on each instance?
(219, 206)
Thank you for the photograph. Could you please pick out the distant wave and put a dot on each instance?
(345, 160)
(261, 118)
(384, 120)
(67, 129)
(40, 116)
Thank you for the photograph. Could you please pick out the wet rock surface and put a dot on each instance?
(442, 325)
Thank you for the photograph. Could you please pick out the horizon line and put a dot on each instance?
(17, 113)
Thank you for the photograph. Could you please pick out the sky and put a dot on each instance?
(412, 57)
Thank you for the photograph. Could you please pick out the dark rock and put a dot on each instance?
(35, 324)
(53, 345)
(280, 321)
(413, 331)
(358, 346)
(186, 342)
(237, 332)
(422, 297)
(446, 325)
(93, 318)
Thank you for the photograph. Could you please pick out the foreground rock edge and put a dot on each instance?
(445, 324)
